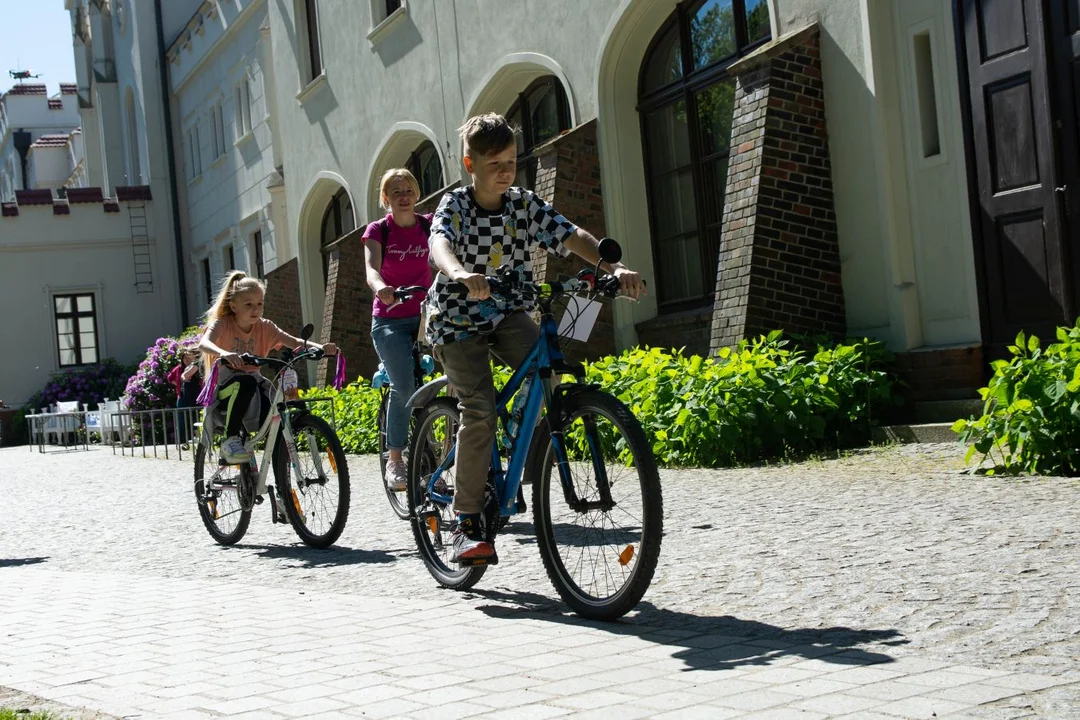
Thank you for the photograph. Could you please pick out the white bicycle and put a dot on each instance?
(310, 470)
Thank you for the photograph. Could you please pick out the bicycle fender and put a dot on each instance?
(426, 392)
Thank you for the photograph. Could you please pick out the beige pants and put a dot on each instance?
(466, 364)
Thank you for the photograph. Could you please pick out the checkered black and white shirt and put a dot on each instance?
(483, 241)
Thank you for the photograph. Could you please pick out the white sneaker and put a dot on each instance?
(233, 451)
(396, 476)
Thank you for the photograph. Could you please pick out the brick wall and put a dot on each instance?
(947, 374)
(779, 261)
(282, 302)
(568, 176)
(347, 312)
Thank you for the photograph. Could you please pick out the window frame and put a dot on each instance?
(414, 165)
(75, 315)
(335, 209)
(686, 89)
(208, 279)
(194, 154)
(260, 264)
(313, 56)
(526, 158)
(242, 97)
(217, 129)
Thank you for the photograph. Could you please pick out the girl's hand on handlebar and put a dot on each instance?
(330, 348)
(233, 360)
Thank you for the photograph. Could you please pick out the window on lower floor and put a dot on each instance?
(314, 47)
(256, 241)
(337, 221)
(686, 99)
(208, 281)
(76, 329)
(425, 166)
(541, 112)
(230, 259)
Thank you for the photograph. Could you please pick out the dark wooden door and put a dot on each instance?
(1065, 42)
(1020, 232)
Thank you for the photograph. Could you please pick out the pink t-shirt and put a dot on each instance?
(263, 337)
(404, 262)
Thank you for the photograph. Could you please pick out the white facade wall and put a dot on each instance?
(216, 74)
(908, 270)
(87, 251)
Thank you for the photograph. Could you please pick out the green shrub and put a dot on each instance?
(1031, 417)
(356, 412)
(765, 399)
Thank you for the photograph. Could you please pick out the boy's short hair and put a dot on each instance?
(487, 134)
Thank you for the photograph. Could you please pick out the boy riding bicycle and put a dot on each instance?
(476, 230)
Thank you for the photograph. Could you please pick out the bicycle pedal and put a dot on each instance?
(473, 562)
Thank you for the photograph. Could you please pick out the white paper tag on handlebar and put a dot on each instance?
(580, 317)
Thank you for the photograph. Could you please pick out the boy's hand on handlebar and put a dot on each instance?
(630, 283)
(477, 285)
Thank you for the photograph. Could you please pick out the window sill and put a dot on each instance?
(195, 180)
(218, 160)
(311, 88)
(244, 139)
(380, 31)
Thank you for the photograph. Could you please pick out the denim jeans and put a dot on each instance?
(393, 339)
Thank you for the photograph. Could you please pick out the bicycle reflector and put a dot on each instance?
(626, 555)
(433, 524)
(333, 462)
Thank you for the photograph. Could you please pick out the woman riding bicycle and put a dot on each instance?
(477, 230)
(396, 251)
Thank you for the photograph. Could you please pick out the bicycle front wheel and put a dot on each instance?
(433, 519)
(218, 498)
(599, 530)
(317, 502)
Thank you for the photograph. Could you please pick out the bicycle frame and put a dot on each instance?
(538, 364)
(277, 418)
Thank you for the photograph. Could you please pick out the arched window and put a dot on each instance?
(541, 112)
(686, 99)
(134, 165)
(425, 166)
(337, 221)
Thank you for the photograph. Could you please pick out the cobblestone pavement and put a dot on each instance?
(883, 584)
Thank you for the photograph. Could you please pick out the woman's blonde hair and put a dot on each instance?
(396, 174)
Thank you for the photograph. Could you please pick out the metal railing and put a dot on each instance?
(130, 429)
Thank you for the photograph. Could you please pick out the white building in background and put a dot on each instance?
(28, 115)
(222, 141)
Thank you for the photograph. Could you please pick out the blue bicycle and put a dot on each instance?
(597, 505)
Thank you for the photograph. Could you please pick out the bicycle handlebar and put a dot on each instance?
(606, 285)
(309, 353)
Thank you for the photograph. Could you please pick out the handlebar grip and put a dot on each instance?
(250, 359)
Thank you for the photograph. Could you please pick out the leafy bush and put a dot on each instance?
(1031, 417)
(356, 412)
(764, 399)
(761, 400)
(89, 385)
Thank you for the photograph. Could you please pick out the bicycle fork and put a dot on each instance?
(562, 463)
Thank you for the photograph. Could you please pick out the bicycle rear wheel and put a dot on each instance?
(399, 500)
(600, 537)
(432, 520)
(317, 502)
(220, 505)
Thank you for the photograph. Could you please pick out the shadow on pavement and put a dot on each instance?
(709, 643)
(16, 562)
(330, 557)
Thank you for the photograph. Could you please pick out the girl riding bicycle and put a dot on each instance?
(235, 325)
(396, 251)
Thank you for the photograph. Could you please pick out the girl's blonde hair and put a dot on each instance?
(396, 174)
(236, 283)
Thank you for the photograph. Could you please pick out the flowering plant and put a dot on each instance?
(89, 385)
(149, 387)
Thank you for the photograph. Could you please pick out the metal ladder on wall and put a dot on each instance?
(140, 248)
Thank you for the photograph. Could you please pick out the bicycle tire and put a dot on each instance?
(582, 539)
(399, 501)
(211, 506)
(302, 506)
(436, 433)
